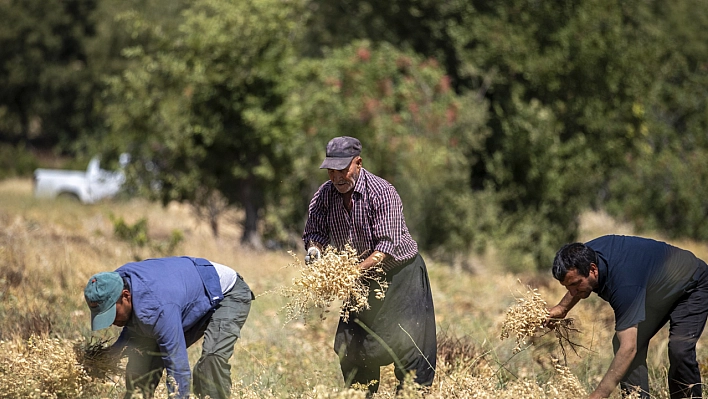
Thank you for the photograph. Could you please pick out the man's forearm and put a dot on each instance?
(613, 376)
(620, 364)
(561, 310)
(568, 301)
(372, 260)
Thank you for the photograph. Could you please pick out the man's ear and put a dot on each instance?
(593, 269)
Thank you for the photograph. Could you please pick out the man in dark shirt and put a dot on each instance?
(359, 208)
(647, 283)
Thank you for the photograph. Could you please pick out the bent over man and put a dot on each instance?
(359, 208)
(165, 305)
(647, 283)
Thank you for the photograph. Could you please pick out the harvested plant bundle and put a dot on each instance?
(97, 358)
(335, 276)
(528, 316)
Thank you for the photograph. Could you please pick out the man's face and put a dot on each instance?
(124, 309)
(345, 179)
(579, 285)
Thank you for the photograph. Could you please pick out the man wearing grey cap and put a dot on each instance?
(359, 208)
(164, 306)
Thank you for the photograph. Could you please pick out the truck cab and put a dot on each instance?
(89, 186)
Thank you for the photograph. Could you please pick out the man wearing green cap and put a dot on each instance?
(165, 305)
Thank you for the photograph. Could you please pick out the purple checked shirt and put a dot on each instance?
(375, 223)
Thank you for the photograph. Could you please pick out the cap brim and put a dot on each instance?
(336, 163)
(99, 321)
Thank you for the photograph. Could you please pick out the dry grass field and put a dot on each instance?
(49, 249)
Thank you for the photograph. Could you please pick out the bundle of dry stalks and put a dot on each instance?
(335, 276)
(528, 317)
(97, 359)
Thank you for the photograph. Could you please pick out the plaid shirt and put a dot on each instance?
(375, 223)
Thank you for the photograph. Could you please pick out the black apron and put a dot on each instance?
(404, 319)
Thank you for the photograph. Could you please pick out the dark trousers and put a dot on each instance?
(687, 318)
(404, 321)
(212, 373)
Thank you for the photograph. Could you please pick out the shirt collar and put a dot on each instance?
(601, 263)
(359, 186)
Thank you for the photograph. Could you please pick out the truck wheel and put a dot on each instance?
(67, 196)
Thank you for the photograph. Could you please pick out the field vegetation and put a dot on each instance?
(50, 248)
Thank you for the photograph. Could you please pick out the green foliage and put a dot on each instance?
(137, 235)
(202, 102)
(16, 161)
(663, 187)
(665, 192)
(562, 80)
(46, 83)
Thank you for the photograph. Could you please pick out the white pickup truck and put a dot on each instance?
(89, 186)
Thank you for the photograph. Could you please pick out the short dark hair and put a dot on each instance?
(577, 256)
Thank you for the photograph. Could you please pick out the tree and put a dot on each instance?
(202, 103)
(664, 185)
(46, 95)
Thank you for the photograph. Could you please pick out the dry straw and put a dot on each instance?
(41, 368)
(98, 359)
(529, 317)
(335, 276)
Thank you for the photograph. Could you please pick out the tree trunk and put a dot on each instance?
(251, 200)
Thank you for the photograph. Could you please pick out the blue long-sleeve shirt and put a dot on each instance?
(169, 298)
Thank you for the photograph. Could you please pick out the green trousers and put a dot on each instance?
(212, 373)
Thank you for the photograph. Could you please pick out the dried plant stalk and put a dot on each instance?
(41, 367)
(528, 317)
(335, 276)
(525, 318)
(98, 359)
(564, 383)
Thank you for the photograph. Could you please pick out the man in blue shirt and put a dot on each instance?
(647, 283)
(165, 305)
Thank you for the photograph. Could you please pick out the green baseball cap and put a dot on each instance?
(101, 293)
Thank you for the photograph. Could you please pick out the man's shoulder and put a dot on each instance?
(375, 183)
(625, 239)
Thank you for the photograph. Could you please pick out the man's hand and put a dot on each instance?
(313, 254)
(557, 312)
(561, 310)
(374, 259)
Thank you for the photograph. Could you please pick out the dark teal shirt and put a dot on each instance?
(640, 275)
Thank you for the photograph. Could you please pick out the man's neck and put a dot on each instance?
(347, 199)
